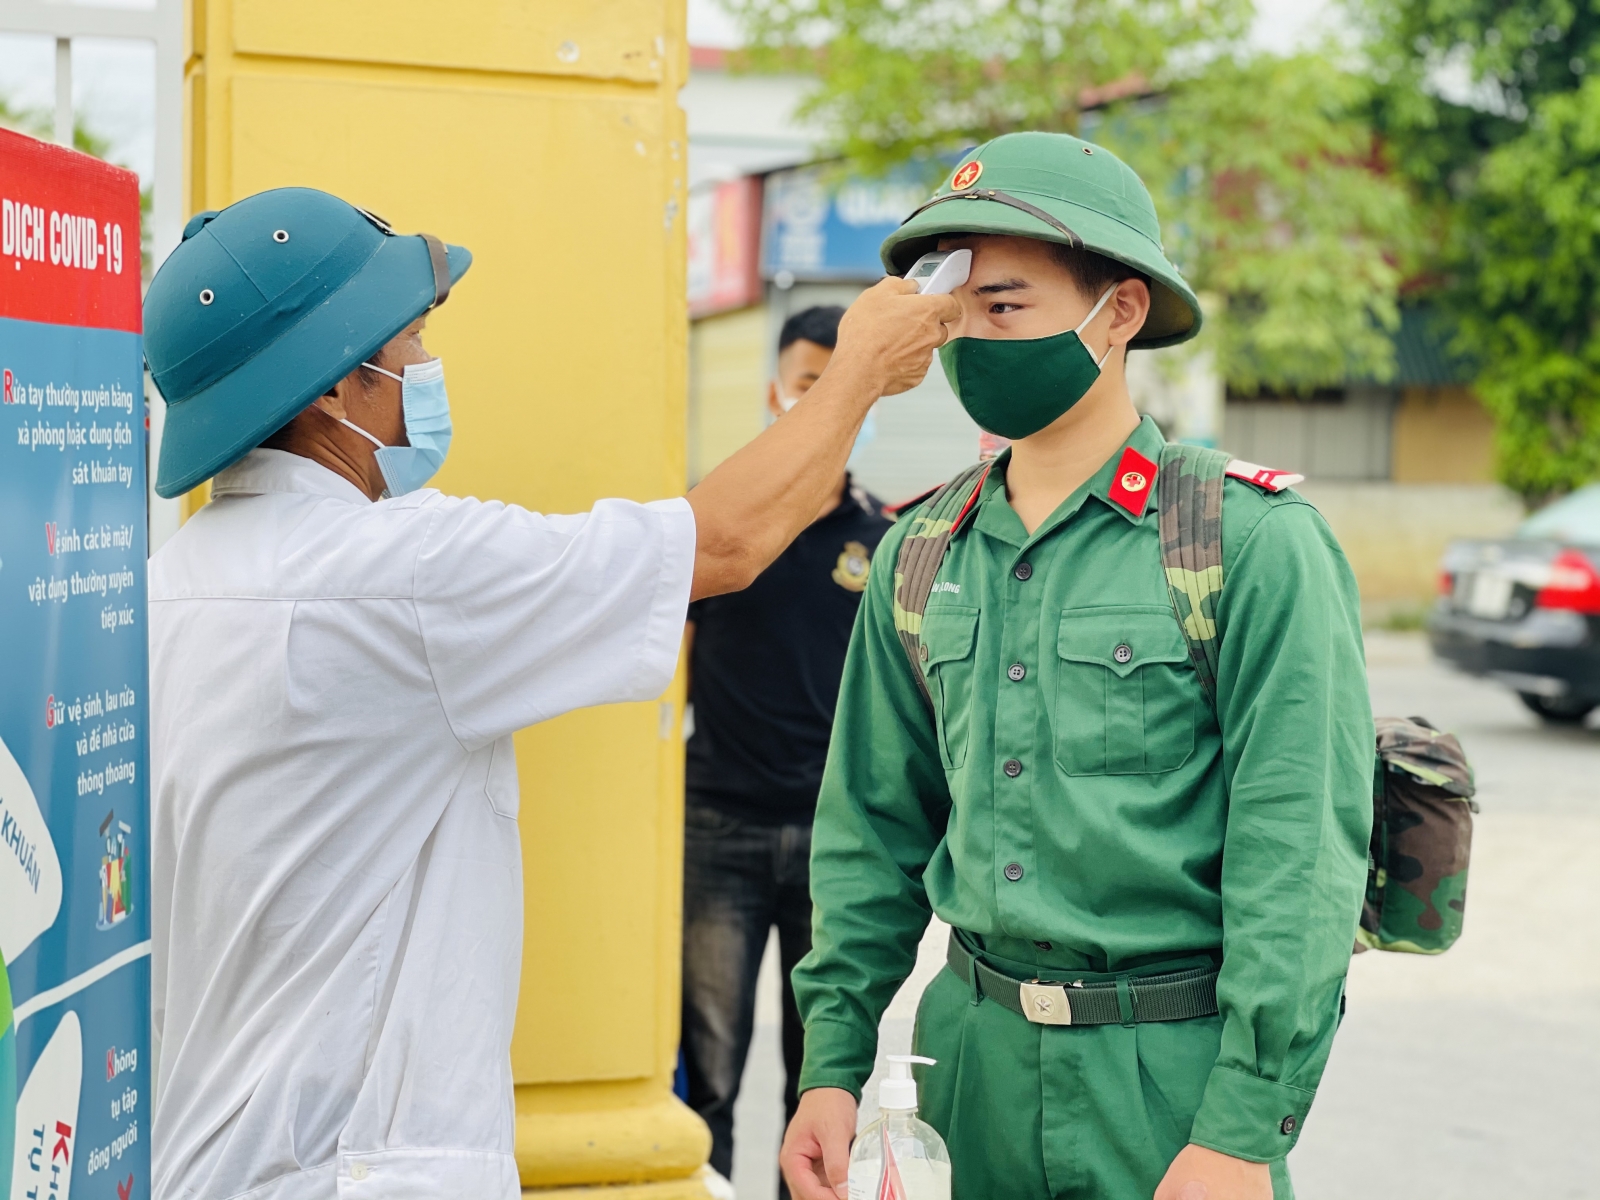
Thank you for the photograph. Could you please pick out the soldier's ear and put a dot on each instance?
(1130, 310)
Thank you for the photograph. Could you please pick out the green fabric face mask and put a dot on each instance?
(1015, 387)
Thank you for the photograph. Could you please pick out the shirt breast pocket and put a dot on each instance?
(1125, 692)
(949, 634)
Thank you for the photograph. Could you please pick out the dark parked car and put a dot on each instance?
(1526, 610)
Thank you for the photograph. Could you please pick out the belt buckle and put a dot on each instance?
(1045, 1003)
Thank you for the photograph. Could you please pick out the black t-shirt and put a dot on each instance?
(765, 669)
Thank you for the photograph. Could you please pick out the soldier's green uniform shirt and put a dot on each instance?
(1077, 813)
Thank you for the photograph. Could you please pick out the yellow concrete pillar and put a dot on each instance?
(546, 136)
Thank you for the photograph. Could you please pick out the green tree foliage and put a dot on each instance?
(898, 78)
(1512, 53)
(1513, 176)
(1532, 249)
(1274, 197)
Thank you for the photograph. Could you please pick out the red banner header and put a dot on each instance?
(69, 237)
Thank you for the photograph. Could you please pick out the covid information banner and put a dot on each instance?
(74, 797)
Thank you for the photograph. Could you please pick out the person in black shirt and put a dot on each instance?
(765, 665)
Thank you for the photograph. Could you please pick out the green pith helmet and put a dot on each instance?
(1056, 188)
(266, 305)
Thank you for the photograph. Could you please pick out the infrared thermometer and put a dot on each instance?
(941, 272)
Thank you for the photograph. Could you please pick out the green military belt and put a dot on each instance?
(1127, 1000)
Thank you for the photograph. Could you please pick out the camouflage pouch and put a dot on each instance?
(1421, 838)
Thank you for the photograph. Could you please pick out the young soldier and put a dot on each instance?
(1172, 863)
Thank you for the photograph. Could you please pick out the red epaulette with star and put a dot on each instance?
(1131, 482)
(1268, 479)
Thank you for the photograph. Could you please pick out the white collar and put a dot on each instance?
(264, 470)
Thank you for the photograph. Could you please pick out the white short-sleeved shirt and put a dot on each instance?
(336, 874)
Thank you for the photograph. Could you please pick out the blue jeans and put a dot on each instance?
(739, 880)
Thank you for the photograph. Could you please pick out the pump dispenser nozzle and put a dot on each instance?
(899, 1091)
(899, 1157)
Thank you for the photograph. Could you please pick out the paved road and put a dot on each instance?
(1475, 1076)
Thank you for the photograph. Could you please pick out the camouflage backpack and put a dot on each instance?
(1422, 784)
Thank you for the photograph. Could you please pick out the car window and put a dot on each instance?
(1574, 518)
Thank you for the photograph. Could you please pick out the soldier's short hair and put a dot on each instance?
(819, 324)
(1094, 273)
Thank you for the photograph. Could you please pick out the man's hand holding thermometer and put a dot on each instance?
(916, 320)
(760, 498)
(941, 272)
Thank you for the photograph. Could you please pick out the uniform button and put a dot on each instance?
(1013, 871)
(1122, 653)
(1042, 946)
(358, 1171)
(1016, 672)
(1023, 571)
(1288, 1125)
(1012, 767)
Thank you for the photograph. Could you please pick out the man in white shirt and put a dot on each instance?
(339, 657)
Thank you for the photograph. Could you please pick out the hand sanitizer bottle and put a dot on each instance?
(898, 1157)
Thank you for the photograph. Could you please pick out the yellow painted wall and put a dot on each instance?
(1442, 435)
(544, 135)
(729, 366)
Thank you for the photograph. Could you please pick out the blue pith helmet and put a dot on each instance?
(266, 305)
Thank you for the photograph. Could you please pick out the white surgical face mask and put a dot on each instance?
(428, 429)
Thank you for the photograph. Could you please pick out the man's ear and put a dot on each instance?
(332, 402)
(1130, 305)
(773, 406)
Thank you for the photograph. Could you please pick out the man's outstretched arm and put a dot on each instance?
(757, 502)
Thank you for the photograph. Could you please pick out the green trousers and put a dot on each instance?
(1052, 1112)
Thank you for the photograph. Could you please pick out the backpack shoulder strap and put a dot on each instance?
(1189, 503)
(921, 552)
